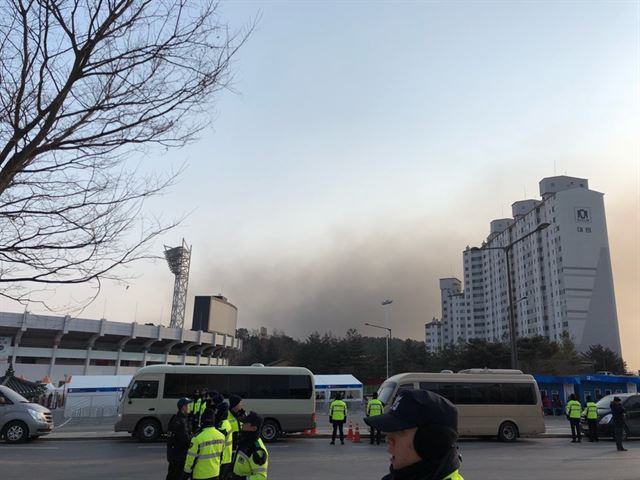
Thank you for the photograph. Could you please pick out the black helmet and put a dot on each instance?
(182, 402)
(252, 418)
(208, 418)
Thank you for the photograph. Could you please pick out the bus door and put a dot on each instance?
(142, 397)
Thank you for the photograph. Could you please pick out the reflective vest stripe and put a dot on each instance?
(212, 442)
(211, 455)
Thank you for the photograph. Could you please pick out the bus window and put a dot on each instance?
(525, 394)
(470, 394)
(386, 391)
(239, 385)
(431, 386)
(494, 393)
(269, 386)
(144, 389)
(299, 386)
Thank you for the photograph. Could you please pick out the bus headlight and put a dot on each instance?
(606, 419)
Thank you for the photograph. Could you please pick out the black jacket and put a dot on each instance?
(617, 411)
(427, 470)
(179, 438)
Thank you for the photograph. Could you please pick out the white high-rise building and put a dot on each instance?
(561, 275)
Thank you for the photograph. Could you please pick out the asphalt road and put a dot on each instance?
(548, 459)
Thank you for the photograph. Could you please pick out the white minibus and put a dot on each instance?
(502, 403)
(284, 396)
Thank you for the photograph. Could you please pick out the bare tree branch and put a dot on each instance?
(83, 85)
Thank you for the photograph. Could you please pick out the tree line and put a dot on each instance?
(365, 357)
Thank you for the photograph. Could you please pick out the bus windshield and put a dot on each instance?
(386, 391)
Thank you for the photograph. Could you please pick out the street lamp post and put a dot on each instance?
(385, 303)
(512, 320)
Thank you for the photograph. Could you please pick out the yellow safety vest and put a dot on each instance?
(195, 407)
(246, 467)
(573, 409)
(374, 407)
(233, 421)
(338, 410)
(227, 452)
(454, 476)
(204, 455)
(591, 411)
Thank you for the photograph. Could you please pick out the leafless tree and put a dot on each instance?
(83, 85)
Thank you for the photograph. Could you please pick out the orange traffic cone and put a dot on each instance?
(356, 437)
(350, 432)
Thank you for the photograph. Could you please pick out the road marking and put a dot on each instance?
(152, 446)
(35, 448)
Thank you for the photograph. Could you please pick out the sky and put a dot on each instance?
(365, 144)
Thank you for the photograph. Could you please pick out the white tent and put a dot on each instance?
(328, 385)
(94, 395)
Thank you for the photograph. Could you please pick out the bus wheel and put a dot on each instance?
(148, 430)
(508, 432)
(270, 431)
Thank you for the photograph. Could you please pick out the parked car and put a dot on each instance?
(630, 402)
(21, 420)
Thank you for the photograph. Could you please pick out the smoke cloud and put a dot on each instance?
(340, 284)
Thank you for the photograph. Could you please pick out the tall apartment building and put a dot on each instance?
(561, 276)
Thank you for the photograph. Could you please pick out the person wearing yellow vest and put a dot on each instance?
(573, 410)
(235, 414)
(224, 427)
(337, 417)
(205, 404)
(252, 460)
(591, 414)
(421, 430)
(375, 407)
(205, 452)
(194, 410)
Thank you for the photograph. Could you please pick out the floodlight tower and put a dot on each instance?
(179, 260)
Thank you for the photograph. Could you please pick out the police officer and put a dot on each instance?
(205, 453)
(618, 420)
(421, 429)
(252, 460)
(236, 412)
(179, 440)
(337, 417)
(224, 427)
(591, 413)
(573, 410)
(194, 410)
(374, 408)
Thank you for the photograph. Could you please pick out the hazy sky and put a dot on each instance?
(370, 142)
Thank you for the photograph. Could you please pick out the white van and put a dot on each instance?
(284, 396)
(502, 403)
